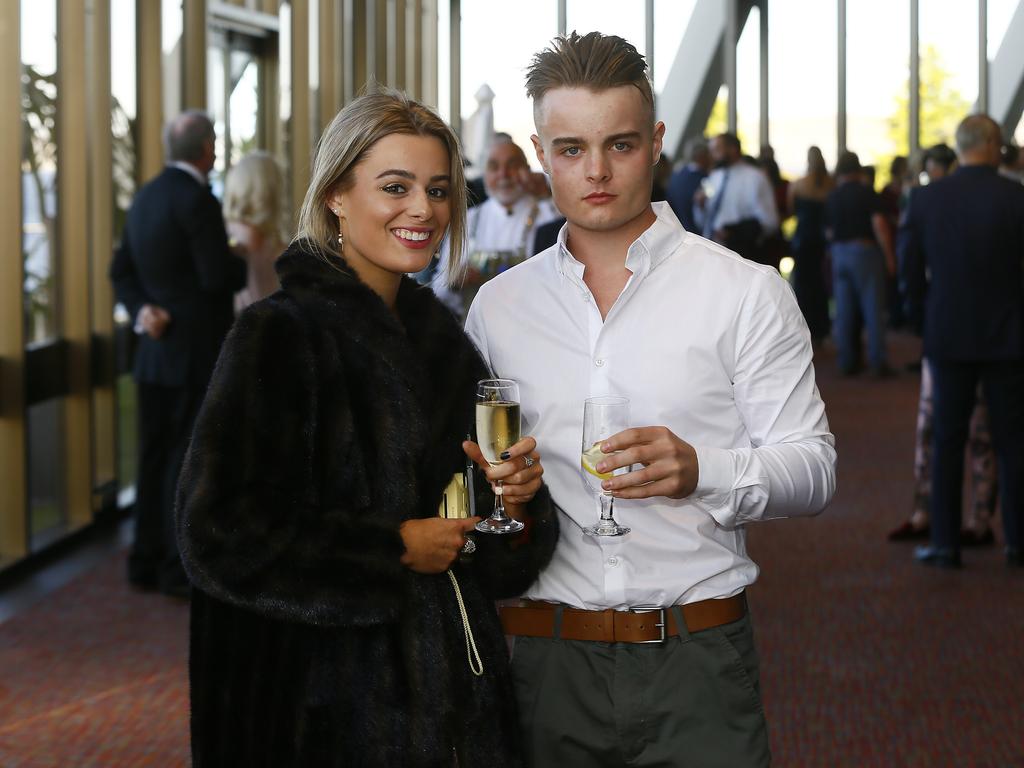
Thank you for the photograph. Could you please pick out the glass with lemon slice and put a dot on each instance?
(602, 418)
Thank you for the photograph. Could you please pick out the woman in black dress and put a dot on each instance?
(807, 202)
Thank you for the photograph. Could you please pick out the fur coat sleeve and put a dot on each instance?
(251, 528)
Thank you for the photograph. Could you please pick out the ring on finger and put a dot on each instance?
(529, 461)
(469, 547)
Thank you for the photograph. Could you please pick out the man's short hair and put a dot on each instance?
(848, 163)
(694, 147)
(185, 136)
(594, 61)
(940, 154)
(974, 131)
(731, 140)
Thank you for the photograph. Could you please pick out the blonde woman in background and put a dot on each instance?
(252, 213)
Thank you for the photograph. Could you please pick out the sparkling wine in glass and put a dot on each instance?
(602, 418)
(497, 430)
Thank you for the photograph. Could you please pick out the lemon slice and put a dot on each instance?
(589, 461)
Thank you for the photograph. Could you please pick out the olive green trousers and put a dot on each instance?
(690, 702)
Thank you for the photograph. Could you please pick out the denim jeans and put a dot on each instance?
(858, 282)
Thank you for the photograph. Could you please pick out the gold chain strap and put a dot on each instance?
(476, 664)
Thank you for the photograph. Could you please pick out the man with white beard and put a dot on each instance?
(500, 230)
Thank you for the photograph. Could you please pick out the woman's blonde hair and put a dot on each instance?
(344, 143)
(252, 193)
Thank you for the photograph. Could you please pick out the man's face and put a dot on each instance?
(721, 152)
(503, 175)
(599, 148)
(934, 170)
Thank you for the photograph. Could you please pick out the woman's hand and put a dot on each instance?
(433, 543)
(520, 477)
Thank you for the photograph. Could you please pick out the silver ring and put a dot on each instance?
(469, 547)
(529, 462)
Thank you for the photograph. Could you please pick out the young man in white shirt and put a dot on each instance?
(715, 357)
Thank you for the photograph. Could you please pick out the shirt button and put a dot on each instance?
(613, 561)
(599, 362)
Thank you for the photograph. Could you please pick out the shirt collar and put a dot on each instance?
(655, 244)
(191, 170)
(522, 205)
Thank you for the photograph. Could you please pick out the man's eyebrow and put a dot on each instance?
(411, 176)
(573, 140)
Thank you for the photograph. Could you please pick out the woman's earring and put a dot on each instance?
(341, 238)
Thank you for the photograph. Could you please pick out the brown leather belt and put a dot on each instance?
(532, 618)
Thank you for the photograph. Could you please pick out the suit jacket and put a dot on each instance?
(328, 423)
(682, 186)
(174, 253)
(547, 235)
(966, 232)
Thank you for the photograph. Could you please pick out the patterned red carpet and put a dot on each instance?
(95, 676)
(868, 659)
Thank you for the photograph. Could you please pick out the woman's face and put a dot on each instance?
(397, 209)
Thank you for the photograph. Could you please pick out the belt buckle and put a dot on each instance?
(660, 623)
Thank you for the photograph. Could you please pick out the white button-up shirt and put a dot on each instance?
(491, 226)
(701, 341)
(746, 195)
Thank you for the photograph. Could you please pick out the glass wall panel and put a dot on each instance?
(499, 61)
(243, 103)
(123, 107)
(172, 26)
(802, 74)
(47, 517)
(670, 20)
(878, 77)
(233, 98)
(216, 105)
(125, 160)
(748, 84)
(39, 166)
(948, 34)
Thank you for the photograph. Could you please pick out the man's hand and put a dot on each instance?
(433, 543)
(520, 482)
(154, 320)
(669, 464)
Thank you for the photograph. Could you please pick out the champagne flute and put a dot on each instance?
(497, 430)
(602, 418)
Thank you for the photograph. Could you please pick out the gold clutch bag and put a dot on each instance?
(455, 502)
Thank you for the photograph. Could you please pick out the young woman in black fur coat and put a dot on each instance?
(325, 629)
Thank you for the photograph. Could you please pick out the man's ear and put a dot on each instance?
(538, 148)
(659, 141)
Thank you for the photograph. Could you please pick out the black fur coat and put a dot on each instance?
(328, 423)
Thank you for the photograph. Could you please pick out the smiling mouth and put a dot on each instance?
(411, 236)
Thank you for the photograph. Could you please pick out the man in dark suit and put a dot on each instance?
(684, 182)
(176, 275)
(967, 231)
